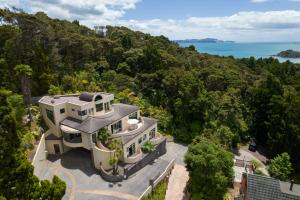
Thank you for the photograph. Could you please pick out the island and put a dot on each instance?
(289, 54)
(205, 40)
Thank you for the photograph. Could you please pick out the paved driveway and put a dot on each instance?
(84, 182)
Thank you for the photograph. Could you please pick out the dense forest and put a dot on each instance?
(196, 97)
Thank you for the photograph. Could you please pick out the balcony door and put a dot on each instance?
(56, 148)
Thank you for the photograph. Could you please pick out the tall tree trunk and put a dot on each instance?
(26, 95)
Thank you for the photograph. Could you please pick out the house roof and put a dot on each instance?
(267, 188)
(93, 123)
(148, 122)
(77, 99)
(51, 136)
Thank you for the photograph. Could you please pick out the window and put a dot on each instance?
(73, 109)
(131, 150)
(82, 113)
(140, 140)
(94, 138)
(111, 102)
(99, 107)
(115, 128)
(144, 137)
(106, 106)
(133, 115)
(62, 111)
(72, 138)
(152, 134)
(50, 115)
(98, 98)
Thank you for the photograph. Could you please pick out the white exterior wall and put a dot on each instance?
(50, 146)
(54, 128)
(135, 140)
(101, 156)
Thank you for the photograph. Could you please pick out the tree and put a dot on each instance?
(210, 169)
(281, 167)
(17, 179)
(24, 72)
(103, 135)
(116, 146)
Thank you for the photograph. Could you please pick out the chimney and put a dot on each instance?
(292, 184)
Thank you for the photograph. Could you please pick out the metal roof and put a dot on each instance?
(267, 188)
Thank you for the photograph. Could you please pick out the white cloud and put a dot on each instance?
(259, 1)
(243, 26)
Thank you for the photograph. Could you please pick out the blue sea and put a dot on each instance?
(245, 50)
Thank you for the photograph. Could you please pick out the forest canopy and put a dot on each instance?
(192, 94)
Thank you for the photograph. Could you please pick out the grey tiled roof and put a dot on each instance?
(52, 137)
(148, 122)
(93, 123)
(267, 188)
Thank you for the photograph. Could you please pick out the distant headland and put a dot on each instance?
(289, 54)
(205, 40)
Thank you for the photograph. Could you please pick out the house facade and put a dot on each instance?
(76, 121)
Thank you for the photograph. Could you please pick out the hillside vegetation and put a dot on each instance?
(193, 95)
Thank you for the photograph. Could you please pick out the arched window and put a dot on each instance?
(98, 98)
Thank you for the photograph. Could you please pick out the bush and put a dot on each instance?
(256, 164)
(148, 147)
(259, 172)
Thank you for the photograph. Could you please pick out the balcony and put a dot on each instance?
(157, 139)
(134, 158)
(71, 137)
(133, 126)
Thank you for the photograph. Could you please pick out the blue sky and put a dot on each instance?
(238, 20)
(179, 9)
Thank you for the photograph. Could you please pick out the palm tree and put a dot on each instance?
(25, 72)
(115, 145)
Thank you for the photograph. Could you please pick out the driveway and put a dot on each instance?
(248, 156)
(84, 182)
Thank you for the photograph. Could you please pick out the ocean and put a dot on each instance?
(245, 50)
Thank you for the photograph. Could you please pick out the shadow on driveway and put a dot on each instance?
(79, 159)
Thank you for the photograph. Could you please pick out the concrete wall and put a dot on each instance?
(40, 155)
(101, 156)
(50, 146)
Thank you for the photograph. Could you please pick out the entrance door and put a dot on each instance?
(56, 148)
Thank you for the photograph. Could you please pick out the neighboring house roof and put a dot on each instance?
(93, 123)
(51, 136)
(148, 122)
(267, 188)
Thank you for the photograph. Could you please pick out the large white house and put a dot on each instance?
(74, 121)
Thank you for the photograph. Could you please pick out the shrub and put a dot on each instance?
(148, 147)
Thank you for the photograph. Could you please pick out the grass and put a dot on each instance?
(159, 192)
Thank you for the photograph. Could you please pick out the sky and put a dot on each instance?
(237, 20)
